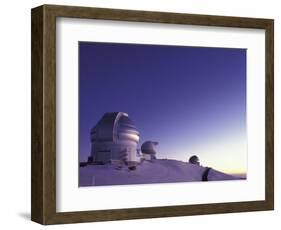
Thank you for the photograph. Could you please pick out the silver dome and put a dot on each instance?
(148, 147)
(115, 127)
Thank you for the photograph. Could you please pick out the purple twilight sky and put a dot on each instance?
(192, 100)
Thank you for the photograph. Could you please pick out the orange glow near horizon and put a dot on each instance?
(226, 153)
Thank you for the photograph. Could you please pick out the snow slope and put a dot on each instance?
(156, 171)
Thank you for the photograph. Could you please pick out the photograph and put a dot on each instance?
(161, 114)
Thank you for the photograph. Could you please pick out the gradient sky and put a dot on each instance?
(192, 100)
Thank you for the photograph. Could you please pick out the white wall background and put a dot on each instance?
(15, 113)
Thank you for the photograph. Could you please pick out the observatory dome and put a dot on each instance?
(115, 127)
(148, 147)
(114, 138)
(194, 160)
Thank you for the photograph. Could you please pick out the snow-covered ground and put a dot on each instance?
(156, 171)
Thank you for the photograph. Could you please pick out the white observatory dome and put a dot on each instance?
(114, 138)
(148, 147)
(115, 127)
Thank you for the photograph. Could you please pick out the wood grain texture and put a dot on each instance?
(44, 114)
(37, 115)
(269, 116)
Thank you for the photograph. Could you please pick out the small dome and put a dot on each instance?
(194, 160)
(114, 127)
(148, 147)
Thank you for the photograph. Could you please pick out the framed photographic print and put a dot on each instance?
(140, 114)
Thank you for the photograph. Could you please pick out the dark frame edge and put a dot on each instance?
(157, 212)
(269, 116)
(155, 16)
(43, 119)
(37, 205)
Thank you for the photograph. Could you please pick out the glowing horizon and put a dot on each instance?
(229, 149)
(209, 154)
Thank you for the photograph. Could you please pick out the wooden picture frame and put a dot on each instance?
(43, 202)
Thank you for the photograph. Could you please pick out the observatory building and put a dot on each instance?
(148, 151)
(194, 160)
(114, 139)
